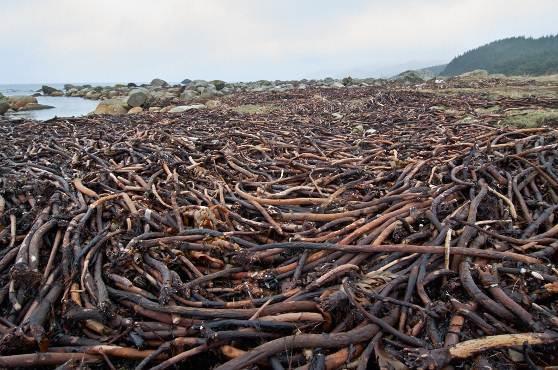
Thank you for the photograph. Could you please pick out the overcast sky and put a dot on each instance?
(137, 40)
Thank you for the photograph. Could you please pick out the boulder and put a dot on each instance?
(135, 110)
(137, 97)
(188, 94)
(347, 81)
(208, 92)
(186, 81)
(34, 106)
(185, 108)
(111, 106)
(92, 95)
(219, 85)
(199, 83)
(4, 105)
(162, 94)
(57, 93)
(157, 82)
(18, 101)
(47, 90)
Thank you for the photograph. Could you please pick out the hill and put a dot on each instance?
(511, 56)
(431, 72)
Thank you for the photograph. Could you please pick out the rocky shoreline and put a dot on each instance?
(161, 96)
(20, 103)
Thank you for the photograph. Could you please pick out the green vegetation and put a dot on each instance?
(512, 56)
(532, 118)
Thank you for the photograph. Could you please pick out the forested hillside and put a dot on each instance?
(512, 56)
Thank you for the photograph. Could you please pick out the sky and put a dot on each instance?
(244, 40)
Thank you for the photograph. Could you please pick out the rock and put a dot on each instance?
(18, 101)
(137, 97)
(135, 110)
(337, 84)
(185, 108)
(4, 106)
(34, 106)
(69, 86)
(92, 95)
(162, 94)
(131, 84)
(208, 91)
(154, 109)
(198, 83)
(347, 81)
(47, 90)
(188, 94)
(111, 106)
(57, 93)
(186, 81)
(157, 82)
(358, 129)
(219, 85)
(337, 115)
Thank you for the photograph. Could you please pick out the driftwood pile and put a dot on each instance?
(387, 235)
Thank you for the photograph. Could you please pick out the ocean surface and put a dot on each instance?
(63, 106)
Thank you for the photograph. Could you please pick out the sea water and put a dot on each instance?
(64, 106)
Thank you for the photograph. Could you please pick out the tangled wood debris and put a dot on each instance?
(389, 233)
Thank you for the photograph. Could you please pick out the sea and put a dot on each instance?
(64, 106)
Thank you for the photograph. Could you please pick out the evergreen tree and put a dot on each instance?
(511, 56)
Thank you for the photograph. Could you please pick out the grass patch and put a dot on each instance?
(532, 118)
(254, 109)
(488, 110)
(501, 91)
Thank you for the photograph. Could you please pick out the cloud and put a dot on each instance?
(135, 40)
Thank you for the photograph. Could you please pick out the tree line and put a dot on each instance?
(511, 56)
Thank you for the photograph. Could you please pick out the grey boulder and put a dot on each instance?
(4, 106)
(137, 98)
(188, 94)
(157, 82)
(47, 90)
